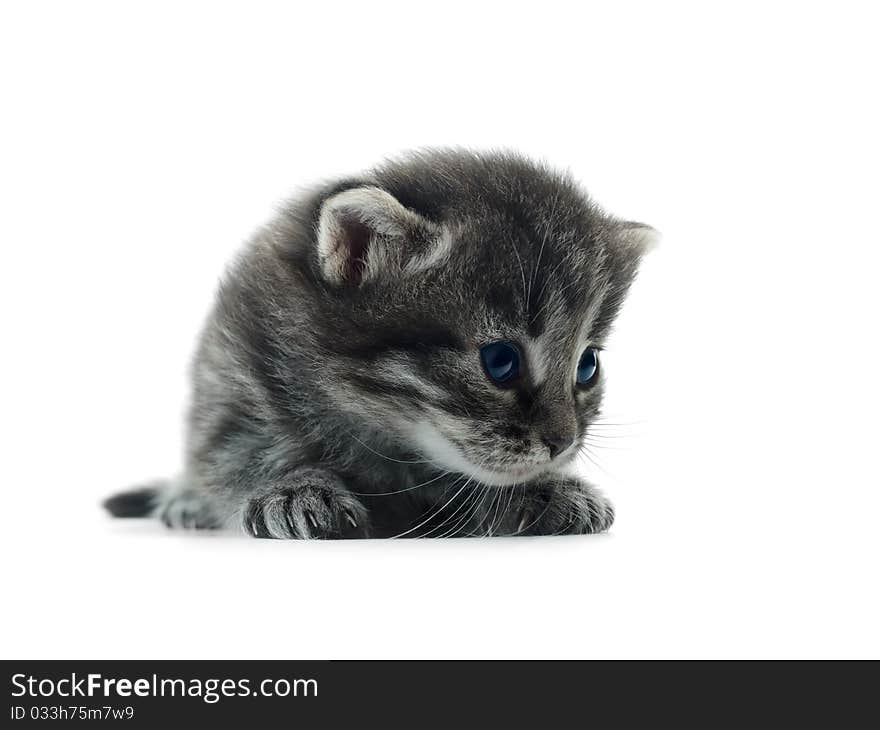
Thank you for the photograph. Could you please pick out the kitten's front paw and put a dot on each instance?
(564, 507)
(305, 511)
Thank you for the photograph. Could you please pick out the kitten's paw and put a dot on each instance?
(566, 507)
(188, 511)
(318, 510)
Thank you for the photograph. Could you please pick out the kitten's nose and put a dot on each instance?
(557, 443)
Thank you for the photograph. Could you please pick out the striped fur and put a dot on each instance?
(337, 385)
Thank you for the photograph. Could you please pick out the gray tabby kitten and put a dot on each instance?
(409, 352)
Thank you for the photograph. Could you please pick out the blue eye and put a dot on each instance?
(501, 360)
(587, 367)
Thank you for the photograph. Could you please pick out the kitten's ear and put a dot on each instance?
(365, 231)
(638, 238)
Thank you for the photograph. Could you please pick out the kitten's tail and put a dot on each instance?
(141, 502)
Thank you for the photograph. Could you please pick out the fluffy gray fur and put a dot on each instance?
(338, 389)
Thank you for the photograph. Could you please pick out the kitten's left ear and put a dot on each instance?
(364, 232)
(638, 238)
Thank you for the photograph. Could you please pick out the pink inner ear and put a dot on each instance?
(354, 246)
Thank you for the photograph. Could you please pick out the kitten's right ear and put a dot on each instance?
(365, 231)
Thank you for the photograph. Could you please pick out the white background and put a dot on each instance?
(142, 143)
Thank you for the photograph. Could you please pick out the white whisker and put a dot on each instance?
(396, 461)
(432, 516)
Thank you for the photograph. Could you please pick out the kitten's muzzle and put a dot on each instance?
(557, 443)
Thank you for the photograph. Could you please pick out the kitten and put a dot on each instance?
(410, 352)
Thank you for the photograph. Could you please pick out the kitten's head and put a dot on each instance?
(465, 300)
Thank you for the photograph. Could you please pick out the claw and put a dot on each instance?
(312, 519)
(349, 517)
(524, 522)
